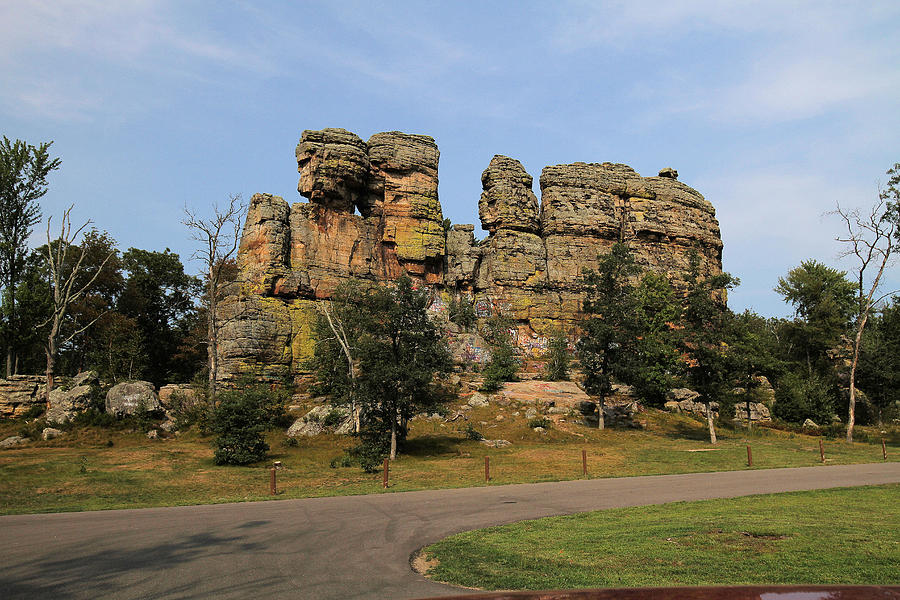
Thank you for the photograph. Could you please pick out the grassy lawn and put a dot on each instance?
(838, 536)
(82, 471)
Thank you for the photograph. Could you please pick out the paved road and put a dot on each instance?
(347, 547)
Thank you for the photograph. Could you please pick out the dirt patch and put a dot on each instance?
(421, 564)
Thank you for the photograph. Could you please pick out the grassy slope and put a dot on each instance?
(137, 472)
(839, 536)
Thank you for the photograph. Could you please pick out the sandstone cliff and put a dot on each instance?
(373, 213)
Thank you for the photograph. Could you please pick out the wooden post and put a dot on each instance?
(487, 468)
(883, 449)
(822, 450)
(584, 462)
(272, 489)
(384, 481)
(749, 456)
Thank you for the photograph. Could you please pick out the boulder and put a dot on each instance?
(497, 443)
(132, 397)
(152, 434)
(12, 441)
(809, 423)
(183, 392)
(668, 172)
(86, 378)
(320, 419)
(478, 400)
(50, 433)
(66, 404)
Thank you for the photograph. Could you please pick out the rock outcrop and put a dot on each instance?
(20, 392)
(131, 398)
(373, 213)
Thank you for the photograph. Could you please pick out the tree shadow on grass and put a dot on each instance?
(430, 445)
(688, 430)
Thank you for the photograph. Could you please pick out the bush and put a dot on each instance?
(239, 422)
(798, 398)
(333, 418)
(540, 422)
(558, 365)
(370, 454)
(188, 411)
(472, 434)
(502, 367)
(462, 312)
(34, 411)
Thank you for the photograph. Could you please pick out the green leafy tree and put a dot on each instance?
(159, 296)
(239, 423)
(800, 396)
(394, 353)
(33, 308)
(462, 312)
(705, 336)
(23, 181)
(657, 360)
(609, 336)
(824, 303)
(879, 362)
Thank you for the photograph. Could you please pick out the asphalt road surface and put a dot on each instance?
(344, 547)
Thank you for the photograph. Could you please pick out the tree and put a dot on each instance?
(608, 339)
(704, 336)
(218, 237)
(870, 239)
(239, 422)
(32, 300)
(879, 360)
(395, 353)
(656, 358)
(64, 284)
(159, 296)
(23, 181)
(824, 303)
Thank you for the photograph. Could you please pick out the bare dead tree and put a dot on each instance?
(63, 283)
(219, 237)
(340, 335)
(871, 239)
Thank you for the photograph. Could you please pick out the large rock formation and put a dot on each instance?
(373, 213)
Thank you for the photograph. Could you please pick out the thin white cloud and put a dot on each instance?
(769, 62)
(39, 40)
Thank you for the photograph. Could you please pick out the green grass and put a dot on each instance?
(838, 536)
(136, 472)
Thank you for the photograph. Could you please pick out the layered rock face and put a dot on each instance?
(373, 213)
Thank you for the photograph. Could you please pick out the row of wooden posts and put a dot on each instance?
(584, 466)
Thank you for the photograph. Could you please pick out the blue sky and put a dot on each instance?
(774, 111)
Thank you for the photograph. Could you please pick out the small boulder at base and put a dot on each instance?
(478, 400)
(86, 378)
(810, 424)
(152, 434)
(50, 433)
(12, 441)
(131, 397)
(321, 419)
(66, 404)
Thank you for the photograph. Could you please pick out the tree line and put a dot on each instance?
(79, 302)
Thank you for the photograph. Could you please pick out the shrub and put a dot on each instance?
(472, 434)
(502, 367)
(239, 422)
(34, 411)
(540, 422)
(462, 312)
(191, 410)
(798, 398)
(558, 364)
(333, 418)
